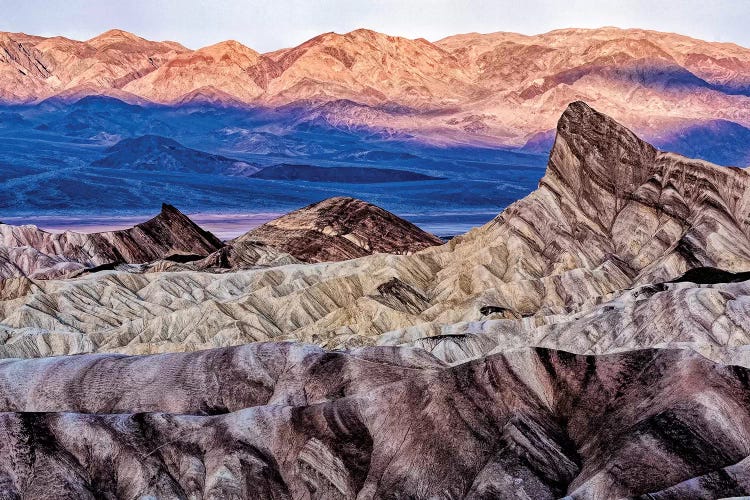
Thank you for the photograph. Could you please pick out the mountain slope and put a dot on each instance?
(234, 69)
(49, 66)
(339, 229)
(720, 141)
(497, 88)
(645, 79)
(369, 67)
(29, 251)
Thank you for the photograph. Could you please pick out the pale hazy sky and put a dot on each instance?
(267, 25)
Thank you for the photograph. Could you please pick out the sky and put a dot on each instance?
(267, 25)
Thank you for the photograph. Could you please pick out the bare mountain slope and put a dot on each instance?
(370, 67)
(229, 66)
(49, 66)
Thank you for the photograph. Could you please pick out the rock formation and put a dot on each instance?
(339, 229)
(332, 230)
(29, 251)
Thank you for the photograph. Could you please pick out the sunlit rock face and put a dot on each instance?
(492, 88)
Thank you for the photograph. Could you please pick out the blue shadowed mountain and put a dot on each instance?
(161, 154)
(717, 141)
(97, 117)
(354, 175)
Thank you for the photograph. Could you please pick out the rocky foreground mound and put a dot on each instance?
(294, 421)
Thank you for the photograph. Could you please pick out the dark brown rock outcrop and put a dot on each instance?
(341, 228)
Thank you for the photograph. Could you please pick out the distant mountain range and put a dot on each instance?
(498, 88)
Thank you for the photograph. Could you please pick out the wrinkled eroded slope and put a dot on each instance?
(377, 422)
(713, 319)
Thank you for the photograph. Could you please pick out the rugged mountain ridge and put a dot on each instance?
(488, 88)
(50, 66)
(331, 230)
(229, 66)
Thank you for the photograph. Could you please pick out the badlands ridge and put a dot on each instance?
(589, 342)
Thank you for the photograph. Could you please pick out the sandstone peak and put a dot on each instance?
(228, 48)
(580, 119)
(618, 157)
